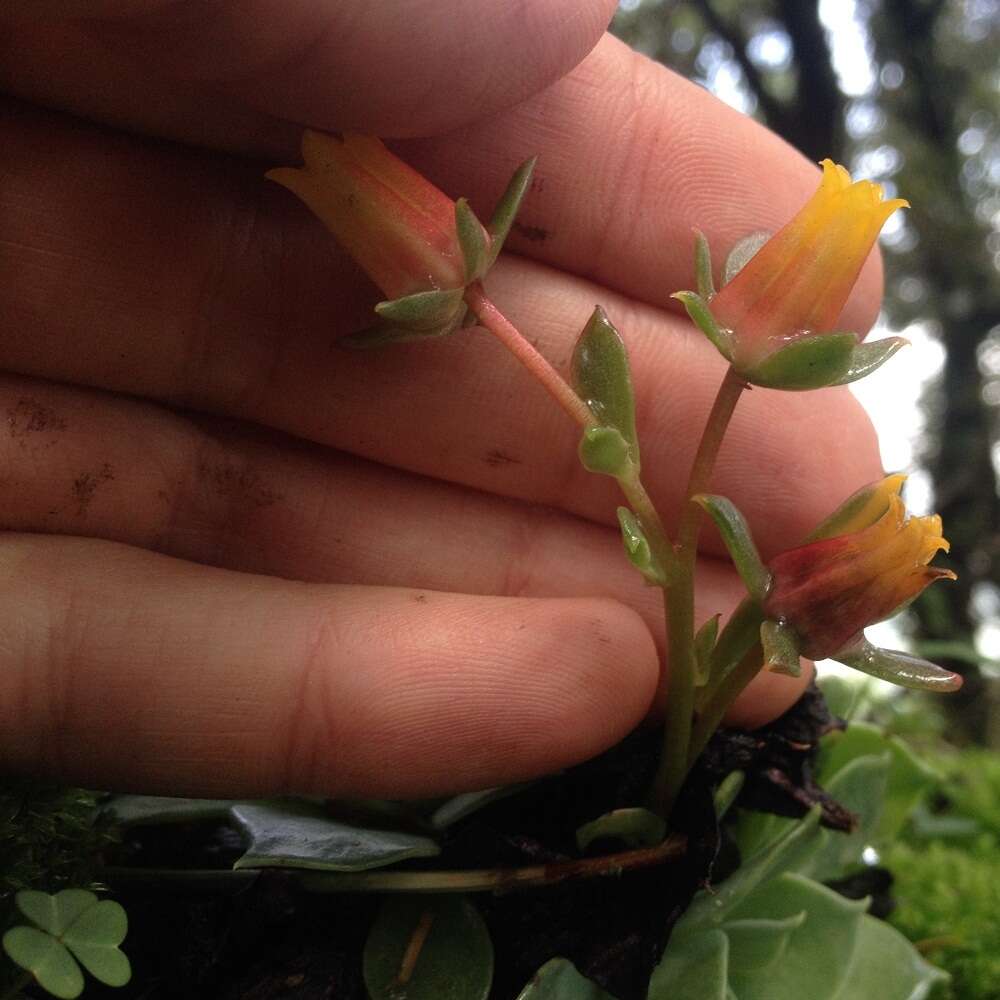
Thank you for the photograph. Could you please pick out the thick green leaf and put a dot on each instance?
(472, 239)
(818, 952)
(129, 810)
(899, 668)
(638, 550)
(423, 312)
(602, 378)
(737, 637)
(454, 961)
(294, 834)
(46, 959)
(558, 979)
(460, 806)
(508, 206)
(636, 827)
(757, 942)
(742, 253)
(94, 938)
(726, 794)
(604, 450)
(694, 967)
(54, 913)
(909, 779)
(886, 966)
(806, 363)
(700, 314)
(736, 536)
(866, 358)
(704, 644)
(781, 648)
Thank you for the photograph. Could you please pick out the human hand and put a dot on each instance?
(243, 561)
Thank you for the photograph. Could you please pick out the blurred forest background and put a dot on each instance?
(906, 92)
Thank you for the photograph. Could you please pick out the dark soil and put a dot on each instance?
(268, 939)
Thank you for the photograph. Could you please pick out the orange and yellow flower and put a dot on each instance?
(397, 225)
(829, 590)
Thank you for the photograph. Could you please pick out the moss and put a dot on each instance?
(948, 888)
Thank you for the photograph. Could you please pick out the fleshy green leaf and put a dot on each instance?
(46, 959)
(703, 266)
(898, 668)
(472, 239)
(558, 979)
(93, 938)
(294, 834)
(781, 648)
(602, 378)
(736, 535)
(738, 635)
(757, 942)
(704, 644)
(818, 951)
(604, 450)
(742, 253)
(887, 966)
(635, 827)
(806, 363)
(637, 548)
(508, 206)
(694, 967)
(697, 308)
(727, 792)
(460, 806)
(909, 779)
(129, 810)
(424, 312)
(454, 960)
(866, 358)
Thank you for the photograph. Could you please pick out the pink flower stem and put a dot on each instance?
(518, 345)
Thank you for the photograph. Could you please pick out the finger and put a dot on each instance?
(82, 463)
(132, 670)
(233, 299)
(409, 67)
(631, 156)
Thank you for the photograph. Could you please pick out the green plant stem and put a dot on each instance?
(726, 693)
(25, 979)
(679, 599)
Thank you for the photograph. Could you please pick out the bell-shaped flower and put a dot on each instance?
(420, 247)
(774, 318)
(830, 589)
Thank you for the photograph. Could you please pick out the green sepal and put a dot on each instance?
(898, 667)
(703, 266)
(473, 241)
(603, 381)
(604, 450)
(781, 648)
(640, 555)
(704, 643)
(741, 254)
(383, 333)
(701, 316)
(736, 535)
(424, 311)
(635, 826)
(810, 362)
(737, 637)
(865, 358)
(507, 208)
